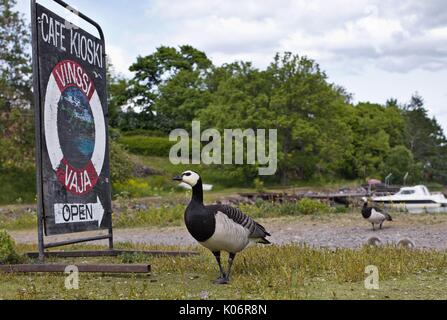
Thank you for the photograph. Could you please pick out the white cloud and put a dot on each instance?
(397, 36)
(121, 60)
(377, 49)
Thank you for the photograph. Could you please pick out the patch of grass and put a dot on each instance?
(8, 253)
(18, 220)
(17, 186)
(173, 214)
(144, 145)
(169, 215)
(276, 272)
(265, 209)
(221, 176)
(152, 186)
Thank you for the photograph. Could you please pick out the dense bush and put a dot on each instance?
(121, 165)
(148, 146)
(17, 185)
(8, 254)
(310, 207)
(114, 134)
(143, 187)
(143, 132)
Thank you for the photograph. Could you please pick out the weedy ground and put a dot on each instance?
(165, 211)
(276, 272)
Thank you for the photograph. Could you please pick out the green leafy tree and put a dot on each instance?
(309, 112)
(15, 66)
(399, 162)
(169, 87)
(117, 87)
(426, 140)
(377, 129)
(239, 100)
(294, 97)
(16, 118)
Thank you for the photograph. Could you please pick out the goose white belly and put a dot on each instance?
(229, 236)
(376, 217)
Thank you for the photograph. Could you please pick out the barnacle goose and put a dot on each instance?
(375, 216)
(219, 227)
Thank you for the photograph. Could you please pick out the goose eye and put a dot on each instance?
(187, 174)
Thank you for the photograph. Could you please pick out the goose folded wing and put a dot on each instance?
(256, 230)
(385, 213)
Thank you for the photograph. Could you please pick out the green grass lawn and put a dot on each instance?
(288, 272)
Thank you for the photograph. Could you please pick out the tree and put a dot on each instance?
(169, 86)
(426, 140)
(239, 100)
(16, 118)
(15, 66)
(294, 97)
(310, 118)
(377, 129)
(399, 162)
(117, 95)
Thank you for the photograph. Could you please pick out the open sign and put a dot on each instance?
(73, 151)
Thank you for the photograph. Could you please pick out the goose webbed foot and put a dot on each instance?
(222, 280)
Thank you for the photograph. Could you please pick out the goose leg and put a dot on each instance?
(381, 226)
(230, 265)
(222, 272)
(374, 227)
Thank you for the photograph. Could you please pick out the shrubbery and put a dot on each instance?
(148, 146)
(121, 165)
(310, 207)
(8, 253)
(143, 187)
(143, 132)
(264, 209)
(17, 185)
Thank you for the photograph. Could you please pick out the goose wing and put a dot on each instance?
(385, 213)
(256, 230)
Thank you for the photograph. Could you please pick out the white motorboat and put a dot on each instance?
(416, 199)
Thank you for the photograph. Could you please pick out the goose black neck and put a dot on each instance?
(197, 192)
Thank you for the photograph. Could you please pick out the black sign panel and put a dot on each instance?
(72, 111)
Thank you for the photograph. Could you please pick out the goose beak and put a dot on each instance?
(178, 178)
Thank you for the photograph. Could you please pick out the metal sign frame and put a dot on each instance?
(40, 134)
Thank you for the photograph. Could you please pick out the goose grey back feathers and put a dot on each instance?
(256, 231)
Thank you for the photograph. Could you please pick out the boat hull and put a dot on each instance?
(414, 206)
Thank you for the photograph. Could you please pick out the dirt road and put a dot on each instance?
(342, 231)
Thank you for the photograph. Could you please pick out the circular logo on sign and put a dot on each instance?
(75, 130)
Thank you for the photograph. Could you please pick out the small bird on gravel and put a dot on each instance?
(373, 242)
(406, 243)
(375, 216)
(218, 227)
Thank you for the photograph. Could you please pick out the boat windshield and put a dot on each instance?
(407, 192)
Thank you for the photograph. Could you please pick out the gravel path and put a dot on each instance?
(345, 231)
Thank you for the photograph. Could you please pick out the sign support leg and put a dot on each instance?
(41, 238)
(111, 238)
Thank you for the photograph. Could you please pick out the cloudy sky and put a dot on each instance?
(376, 49)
